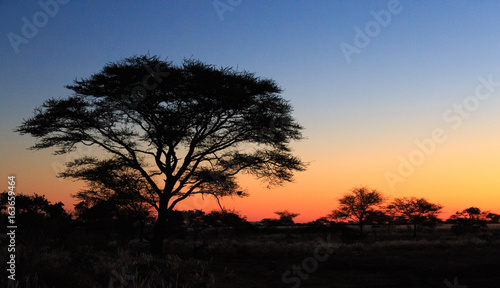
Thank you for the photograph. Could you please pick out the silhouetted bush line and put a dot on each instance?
(104, 222)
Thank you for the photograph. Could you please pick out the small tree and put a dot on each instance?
(415, 211)
(358, 205)
(35, 205)
(493, 218)
(321, 222)
(468, 220)
(225, 219)
(233, 219)
(286, 218)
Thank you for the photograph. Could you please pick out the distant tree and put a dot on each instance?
(36, 204)
(286, 218)
(493, 218)
(358, 205)
(214, 220)
(39, 220)
(56, 211)
(196, 221)
(225, 219)
(471, 215)
(180, 130)
(321, 221)
(415, 211)
(469, 220)
(233, 219)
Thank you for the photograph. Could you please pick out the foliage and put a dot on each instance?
(493, 218)
(35, 204)
(286, 218)
(470, 220)
(321, 221)
(415, 211)
(37, 219)
(358, 205)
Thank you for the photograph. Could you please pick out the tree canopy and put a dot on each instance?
(469, 220)
(358, 205)
(415, 211)
(286, 217)
(171, 131)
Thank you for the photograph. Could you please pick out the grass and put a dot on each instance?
(258, 259)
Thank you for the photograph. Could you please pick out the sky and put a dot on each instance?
(399, 96)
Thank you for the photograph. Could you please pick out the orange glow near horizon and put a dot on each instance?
(315, 193)
(456, 176)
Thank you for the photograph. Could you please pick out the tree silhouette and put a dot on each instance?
(179, 130)
(358, 205)
(469, 220)
(473, 214)
(286, 218)
(493, 218)
(35, 204)
(321, 221)
(38, 220)
(415, 211)
(225, 219)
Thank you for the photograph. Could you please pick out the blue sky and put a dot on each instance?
(428, 57)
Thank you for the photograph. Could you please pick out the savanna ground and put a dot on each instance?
(262, 257)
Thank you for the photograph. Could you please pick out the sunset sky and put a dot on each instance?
(400, 96)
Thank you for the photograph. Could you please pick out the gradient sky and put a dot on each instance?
(363, 117)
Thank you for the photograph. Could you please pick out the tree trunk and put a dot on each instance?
(156, 245)
(414, 230)
(361, 228)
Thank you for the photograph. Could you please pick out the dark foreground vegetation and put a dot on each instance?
(224, 250)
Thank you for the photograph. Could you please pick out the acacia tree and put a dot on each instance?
(415, 211)
(286, 218)
(224, 219)
(471, 219)
(358, 205)
(493, 218)
(180, 130)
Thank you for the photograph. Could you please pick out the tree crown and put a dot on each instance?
(358, 204)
